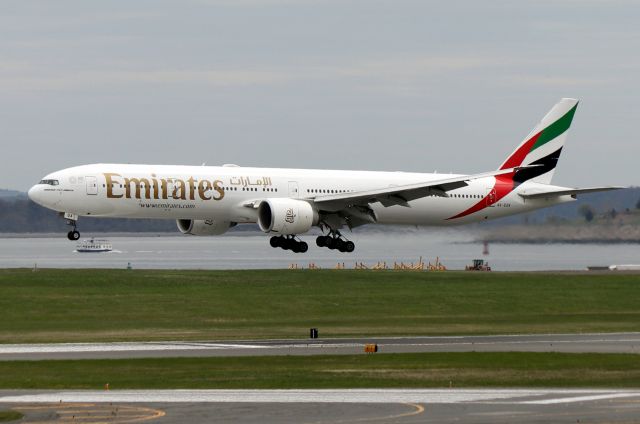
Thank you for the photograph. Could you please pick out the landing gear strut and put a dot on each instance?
(289, 243)
(73, 234)
(335, 241)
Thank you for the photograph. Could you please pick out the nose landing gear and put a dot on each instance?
(289, 243)
(335, 241)
(72, 220)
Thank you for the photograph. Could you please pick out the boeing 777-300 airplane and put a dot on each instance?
(208, 200)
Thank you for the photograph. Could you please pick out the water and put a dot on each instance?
(252, 251)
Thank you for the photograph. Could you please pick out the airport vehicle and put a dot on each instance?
(285, 203)
(478, 265)
(94, 246)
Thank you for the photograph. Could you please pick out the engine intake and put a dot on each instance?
(206, 227)
(286, 216)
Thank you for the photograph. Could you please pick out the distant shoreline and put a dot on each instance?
(555, 241)
(615, 232)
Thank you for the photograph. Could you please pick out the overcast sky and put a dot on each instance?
(451, 86)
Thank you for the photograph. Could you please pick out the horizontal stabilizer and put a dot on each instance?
(565, 192)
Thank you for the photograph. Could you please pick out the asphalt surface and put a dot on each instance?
(574, 343)
(328, 406)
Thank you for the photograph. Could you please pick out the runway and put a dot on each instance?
(570, 343)
(329, 406)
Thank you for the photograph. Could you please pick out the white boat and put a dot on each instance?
(94, 245)
(625, 267)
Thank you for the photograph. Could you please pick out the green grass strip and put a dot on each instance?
(103, 305)
(6, 416)
(420, 370)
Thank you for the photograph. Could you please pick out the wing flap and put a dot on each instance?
(566, 192)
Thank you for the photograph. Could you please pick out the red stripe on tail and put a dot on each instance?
(518, 156)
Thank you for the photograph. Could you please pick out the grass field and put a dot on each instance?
(421, 370)
(6, 416)
(99, 305)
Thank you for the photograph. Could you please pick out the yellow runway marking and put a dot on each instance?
(90, 413)
(419, 409)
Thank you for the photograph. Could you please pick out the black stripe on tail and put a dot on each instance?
(545, 165)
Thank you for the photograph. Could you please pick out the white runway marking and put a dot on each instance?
(580, 398)
(118, 347)
(613, 343)
(418, 396)
(515, 342)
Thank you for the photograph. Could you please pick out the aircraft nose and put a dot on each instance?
(35, 194)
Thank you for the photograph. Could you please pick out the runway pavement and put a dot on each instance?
(329, 406)
(574, 343)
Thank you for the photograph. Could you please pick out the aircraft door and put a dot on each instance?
(293, 189)
(92, 185)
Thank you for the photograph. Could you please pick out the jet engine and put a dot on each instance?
(207, 227)
(286, 216)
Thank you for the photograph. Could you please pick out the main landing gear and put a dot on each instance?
(335, 241)
(289, 243)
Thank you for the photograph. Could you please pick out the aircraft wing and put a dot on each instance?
(565, 192)
(401, 194)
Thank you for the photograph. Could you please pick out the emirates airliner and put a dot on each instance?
(285, 203)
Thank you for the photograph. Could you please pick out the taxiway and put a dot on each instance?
(329, 406)
(569, 343)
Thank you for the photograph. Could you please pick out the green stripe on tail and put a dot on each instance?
(555, 129)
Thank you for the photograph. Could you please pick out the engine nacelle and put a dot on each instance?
(286, 216)
(207, 227)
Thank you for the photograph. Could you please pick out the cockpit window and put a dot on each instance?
(50, 182)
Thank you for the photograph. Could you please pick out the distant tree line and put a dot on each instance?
(21, 215)
(588, 207)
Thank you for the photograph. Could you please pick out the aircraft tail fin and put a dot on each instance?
(542, 147)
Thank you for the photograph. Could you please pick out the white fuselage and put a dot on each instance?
(227, 192)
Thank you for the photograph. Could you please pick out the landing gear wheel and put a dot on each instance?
(331, 243)
(335, 241)
(72, 221)
(287, 244)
